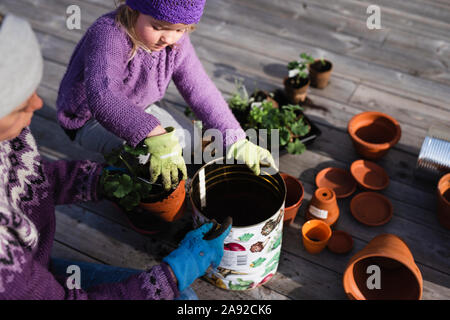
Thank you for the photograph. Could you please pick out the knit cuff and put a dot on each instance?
(172, 283)
(149, 123)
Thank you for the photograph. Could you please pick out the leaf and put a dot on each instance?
(299, 128)
(125, 186)
(284, 136)
(296, 147)
(130, 201)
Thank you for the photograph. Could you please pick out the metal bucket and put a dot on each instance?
(256, 204)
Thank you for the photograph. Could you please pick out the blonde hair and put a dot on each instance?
(127, 17)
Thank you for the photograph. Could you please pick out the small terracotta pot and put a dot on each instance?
(320, 75)
(400, 278)
(296, 95)
(171, 207)
(294, 197)
(369, 175)
(264, 95)
(315, 235)
(340, 242)
(373, 133)
(323, 206)
(443, 192)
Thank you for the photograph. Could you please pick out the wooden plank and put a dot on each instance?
(331, 92)
(62, 251)
(415, 8)
(400, 80)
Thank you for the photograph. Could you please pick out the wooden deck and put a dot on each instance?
(402, 70)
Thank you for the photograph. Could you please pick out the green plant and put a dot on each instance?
(262, 115)
(290, 123)
(298, 68)
(120, 183)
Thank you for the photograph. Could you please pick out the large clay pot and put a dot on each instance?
(443, 193)
(320, 74)
(373, 133)
(296, 95)
(169, 208)
(323, 206)
(294, 197)
(400, 278)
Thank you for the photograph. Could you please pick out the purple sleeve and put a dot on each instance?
(202, 95)
(106, 56)
(22, 278)
(73, 181)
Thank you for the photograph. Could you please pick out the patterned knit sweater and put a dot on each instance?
(29, 190)
(101, 83)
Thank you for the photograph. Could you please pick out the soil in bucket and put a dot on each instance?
(247, 201)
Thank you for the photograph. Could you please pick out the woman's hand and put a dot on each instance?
(195, 255)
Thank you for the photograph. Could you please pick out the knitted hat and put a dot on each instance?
(21, 64)
(173, 11)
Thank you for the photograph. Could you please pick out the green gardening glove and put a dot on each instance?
(166, 158)
(251, 154)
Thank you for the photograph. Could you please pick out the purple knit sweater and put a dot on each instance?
(100, 83)
(29, 190)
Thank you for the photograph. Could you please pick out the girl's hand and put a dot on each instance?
(158, 130)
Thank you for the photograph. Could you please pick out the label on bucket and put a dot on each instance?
(316, 212)
(232, 259)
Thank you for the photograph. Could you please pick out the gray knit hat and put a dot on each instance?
(21, 64)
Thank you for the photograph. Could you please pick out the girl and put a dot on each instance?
(30, 188)
(123, 64)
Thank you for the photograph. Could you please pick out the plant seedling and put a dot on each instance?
(298, 68)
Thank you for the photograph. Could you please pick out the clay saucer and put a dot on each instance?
(369, 175)
(371, 208)
(340, 242)
(338, 180)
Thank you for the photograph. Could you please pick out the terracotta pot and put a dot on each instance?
(320, 75)
(264, 95)
(400, 278)
(338, 180)
(340, 242)
(369, 175)
(323, 206)
(296, 95)
(315, 235)
(373, 133)
(443, 191)
(371, 208)
(294, 197)
(171, 207)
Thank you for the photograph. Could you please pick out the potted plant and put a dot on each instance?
(127, 185)
(320, 72)
(297, 83)
(257, 111)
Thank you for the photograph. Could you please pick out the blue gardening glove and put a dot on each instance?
(251, 154)
(166, 158)
(195, 255)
